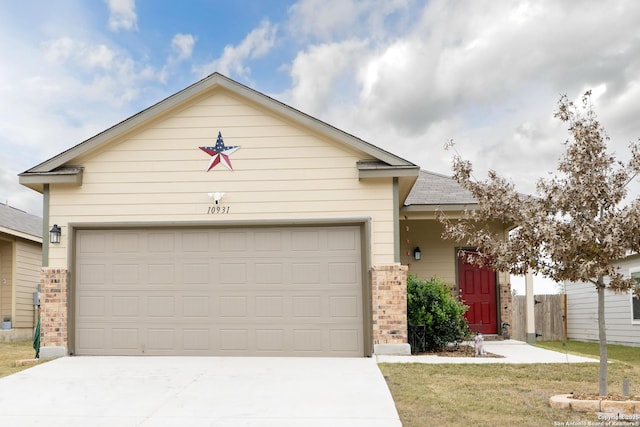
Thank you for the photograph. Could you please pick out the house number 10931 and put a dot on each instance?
(218, 210)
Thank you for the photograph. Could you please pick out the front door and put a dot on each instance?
(477, 287)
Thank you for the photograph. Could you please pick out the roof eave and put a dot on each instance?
(388, 172)
(20, 234)
(37, 180)
(441, 207)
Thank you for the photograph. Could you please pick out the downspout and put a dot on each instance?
(45, 226)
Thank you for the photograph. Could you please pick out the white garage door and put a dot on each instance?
(247, 292)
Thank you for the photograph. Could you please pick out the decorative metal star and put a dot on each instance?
(220, 153)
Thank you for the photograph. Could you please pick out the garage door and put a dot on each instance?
(247, 292)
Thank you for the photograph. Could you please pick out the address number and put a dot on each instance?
(218, 210)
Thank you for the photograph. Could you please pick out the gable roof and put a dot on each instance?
(434, 191)
(19, 223)
(48, 172)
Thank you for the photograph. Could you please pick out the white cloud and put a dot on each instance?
(232, 61)
(328, 20)
(122, 15)
(322, 75)
(182, 46)
(405, 75)
(487, 73)
(80, 53)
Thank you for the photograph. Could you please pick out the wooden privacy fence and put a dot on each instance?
(550, 314)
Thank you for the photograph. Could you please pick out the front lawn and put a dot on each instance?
(500, 395)
(10, 352)
(615, 353)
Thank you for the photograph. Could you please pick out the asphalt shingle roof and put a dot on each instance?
(17, 220)
(435, 189)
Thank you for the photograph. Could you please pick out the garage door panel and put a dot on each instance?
(232, 273)
(125, 243)
(92, 306)
(346, 306)
(232, 241)
(234, 340)
(196, 339)
(92, 338)
(125, 274)
(307, 306)
(307, 240)
(161, 242)
(161, 339)
(268, 241)
(233, 306)
(124, 306)
(196, 307)
(196, 242)
(269, 306)
(343, 240)
(125, 339)
(343, 273)
(161, 306)
(344, 340)
(307, 340)
(270, 292)
(93, 274)
(161, 274)
(268, 274)
(306, 273)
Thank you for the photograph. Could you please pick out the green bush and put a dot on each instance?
(435, 317)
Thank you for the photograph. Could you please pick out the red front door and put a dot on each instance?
(477, 287)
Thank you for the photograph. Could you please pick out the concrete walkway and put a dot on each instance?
(512, 351)
(198, 391)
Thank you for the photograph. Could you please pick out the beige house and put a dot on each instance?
(223, 222)
(20, 265)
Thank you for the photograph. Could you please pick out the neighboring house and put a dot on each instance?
(622, 310)
(20, 265)
(223, 222)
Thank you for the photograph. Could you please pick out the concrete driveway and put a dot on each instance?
(198, 391)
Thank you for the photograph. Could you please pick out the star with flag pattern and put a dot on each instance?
(220, 153)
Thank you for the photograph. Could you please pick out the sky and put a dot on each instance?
(405, 75)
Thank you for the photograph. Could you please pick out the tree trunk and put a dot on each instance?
(602, 335)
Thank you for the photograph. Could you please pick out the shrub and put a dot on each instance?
(434, 315)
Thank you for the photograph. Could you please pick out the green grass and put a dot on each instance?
(503, 395)
(10, 352)
(615, 353)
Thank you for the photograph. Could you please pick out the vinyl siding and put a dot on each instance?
(6, 278)
(28, 265)
(582, 312)
(438, 255)
(281, 172)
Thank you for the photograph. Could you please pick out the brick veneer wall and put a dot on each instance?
(389, 304)
(54, 291)
(505, 307)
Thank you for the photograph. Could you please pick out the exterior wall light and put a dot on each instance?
(417, 254)
(54, 234)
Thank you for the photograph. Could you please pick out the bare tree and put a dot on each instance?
(577, 226)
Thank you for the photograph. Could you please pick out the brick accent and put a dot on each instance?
(505, 307)
(389, 304)
(54, 291)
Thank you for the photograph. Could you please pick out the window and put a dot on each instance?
(635, 301)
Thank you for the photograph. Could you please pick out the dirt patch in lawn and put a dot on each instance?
(458, 351)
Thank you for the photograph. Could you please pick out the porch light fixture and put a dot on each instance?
(417, 254)
(54, 234)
